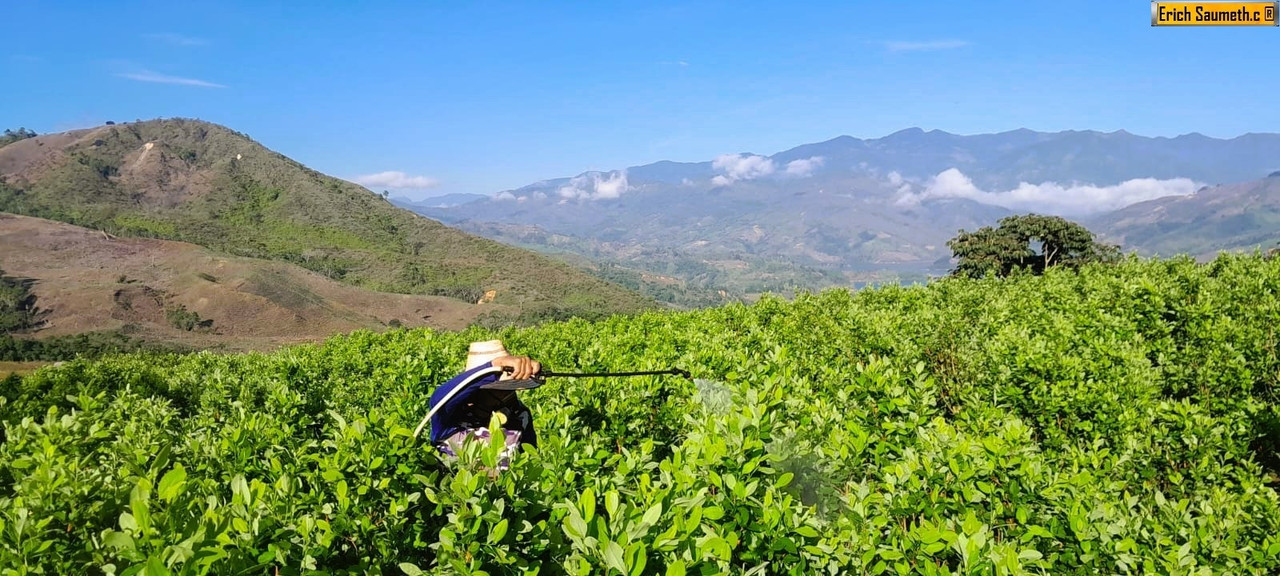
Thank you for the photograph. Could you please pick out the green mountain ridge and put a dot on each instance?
(202, 183)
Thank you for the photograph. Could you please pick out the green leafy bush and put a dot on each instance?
(18, 310)
(83, 345)
(181, 318)
(470, 294)
(1117, 419)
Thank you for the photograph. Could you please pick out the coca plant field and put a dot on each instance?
(1116, 420)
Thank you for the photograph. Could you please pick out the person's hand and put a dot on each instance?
(522, 368)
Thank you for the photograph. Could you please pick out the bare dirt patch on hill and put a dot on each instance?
(88, 281)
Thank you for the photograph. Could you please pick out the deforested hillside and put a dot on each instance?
(84, 282)
(205, 184)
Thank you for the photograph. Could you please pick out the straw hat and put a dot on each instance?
(486, 351)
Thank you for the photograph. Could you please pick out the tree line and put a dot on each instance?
(11, 136)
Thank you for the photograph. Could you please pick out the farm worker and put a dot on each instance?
(487, 389)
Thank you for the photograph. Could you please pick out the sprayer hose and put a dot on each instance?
(671, 371)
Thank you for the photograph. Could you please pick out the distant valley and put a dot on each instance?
(852, 211)
(120, 227)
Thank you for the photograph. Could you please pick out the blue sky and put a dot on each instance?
(491, 96)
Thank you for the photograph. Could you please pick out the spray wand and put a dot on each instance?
(535, 382)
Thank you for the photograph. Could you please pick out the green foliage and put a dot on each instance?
(143, 226)
(1114, 419)
(102, 167)
(674, 291)
(535, 315)
(1031, 242)
(181, 318)
(18, 310)
(84, 345)
(465, 293)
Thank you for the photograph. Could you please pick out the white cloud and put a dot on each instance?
(178, 39)
(395, 179)
(595, 186)
(902, 183)
(741, 167)
(1051, 197)
(132, 71)
(504, 195)
(926, 46)
(613, 187)
(804, 167)
(158, 78)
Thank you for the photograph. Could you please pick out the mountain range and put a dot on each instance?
(120, 227)
(280, 231)
(865, 210)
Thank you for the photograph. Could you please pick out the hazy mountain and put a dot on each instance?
(441, 201)
(859, 209)
(1233, 216)
(207, 185)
